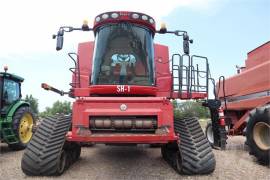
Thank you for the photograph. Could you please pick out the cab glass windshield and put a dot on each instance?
(123, 55)
(11, 91)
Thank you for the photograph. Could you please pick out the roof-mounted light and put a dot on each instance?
(97, 19)
(114, 15)
(85, 26)
(5, 68)
(123, 16)
(144, 17)
(151, 21)
(135, 16)
(124, 13)
(163, 28)
(105, 16)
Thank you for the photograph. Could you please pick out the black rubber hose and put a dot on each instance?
(223, 88)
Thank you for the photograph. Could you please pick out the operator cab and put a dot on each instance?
(10, 90)
(122, 60)
(123, 55)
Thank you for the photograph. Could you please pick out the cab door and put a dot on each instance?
(10, 93)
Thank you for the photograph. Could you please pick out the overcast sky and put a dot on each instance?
(223, 30)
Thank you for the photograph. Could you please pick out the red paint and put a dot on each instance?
(84, 108)
(105, 100)
(222, 122)
(128, 90)
(252, 79)
(124, 16)
(123, 138)
(163, 74)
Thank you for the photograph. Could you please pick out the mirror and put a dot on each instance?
(60, 40)
(186, 43)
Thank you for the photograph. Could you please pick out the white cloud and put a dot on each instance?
(27, 26)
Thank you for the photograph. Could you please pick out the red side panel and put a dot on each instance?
(250, 81)
(258, 56)
(243, 90)
(163, 75)
(85, 52)
(85, 108)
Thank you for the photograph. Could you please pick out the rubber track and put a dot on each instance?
(194, 149)
(42, 153)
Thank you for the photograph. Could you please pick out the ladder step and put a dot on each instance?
(10, 136)
(7, 129)
(10, 139)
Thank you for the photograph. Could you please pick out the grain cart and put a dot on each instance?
(245, 98)
(17, 119)
(123, 87)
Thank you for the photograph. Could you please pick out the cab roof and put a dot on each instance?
(11, 76)
(125, 16)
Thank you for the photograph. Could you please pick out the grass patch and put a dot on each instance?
(203, 123)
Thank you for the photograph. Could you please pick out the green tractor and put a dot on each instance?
(16, 119)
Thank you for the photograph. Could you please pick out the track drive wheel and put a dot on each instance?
(48, 153)
(22, 123)
(62, 163)
(258, 134)
(209, 133)
(193, 155)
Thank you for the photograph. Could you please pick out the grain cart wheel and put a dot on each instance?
(194, 154)
(22, 123)
(46, 154)
(258, 134)
(209, 133)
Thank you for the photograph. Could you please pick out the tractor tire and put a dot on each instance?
(48, 153)
(258, 134)
(193, 155)
(209, 133)
(22, 122)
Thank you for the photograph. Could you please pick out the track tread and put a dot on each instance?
(201, 160)
(194, 151)
(41, 155)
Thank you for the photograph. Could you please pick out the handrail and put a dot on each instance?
(75, 70)
(193, 81)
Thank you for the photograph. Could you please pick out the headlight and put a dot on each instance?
(114, 15)
(151, 21)
(105, 16)
(135, 16)
(144, 17)
(97, 19)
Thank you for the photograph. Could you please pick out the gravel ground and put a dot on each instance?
(117, 162)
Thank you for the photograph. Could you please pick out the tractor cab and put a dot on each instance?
(16, 117)
(10, 90)
(123, 55)
(124, 61)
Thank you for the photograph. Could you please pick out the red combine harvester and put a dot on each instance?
(123, 87)
(245, 99)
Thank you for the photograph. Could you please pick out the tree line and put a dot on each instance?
(190, 109)
(181, 109)
(58, 107)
